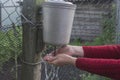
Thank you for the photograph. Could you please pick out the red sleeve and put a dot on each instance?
(107, 51)
(105, 67)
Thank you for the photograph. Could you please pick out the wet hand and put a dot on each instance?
(70, 50)
(60, 59)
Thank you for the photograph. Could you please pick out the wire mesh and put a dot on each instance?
(118, 22)
(87, 25)
(89, 17)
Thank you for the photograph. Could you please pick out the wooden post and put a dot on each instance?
(32, 41)
(118, 22)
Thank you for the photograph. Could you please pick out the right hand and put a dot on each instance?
(70, 50)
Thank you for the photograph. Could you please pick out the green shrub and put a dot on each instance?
(10, 44)
(90, 76)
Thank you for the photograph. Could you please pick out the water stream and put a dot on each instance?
(50, 71)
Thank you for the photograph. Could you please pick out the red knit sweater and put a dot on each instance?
(101, 60)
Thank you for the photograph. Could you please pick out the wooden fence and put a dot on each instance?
(88, 19)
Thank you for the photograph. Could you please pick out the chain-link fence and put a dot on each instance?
(118, 21)
(90, 18)
(10, 13)
(10, 38)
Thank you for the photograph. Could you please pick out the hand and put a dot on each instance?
(60, 59)
(70, 50)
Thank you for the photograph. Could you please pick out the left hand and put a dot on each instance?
(60, 59)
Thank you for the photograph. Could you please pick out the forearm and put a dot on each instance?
(105, 67)
(108, 51)
(77, 51)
